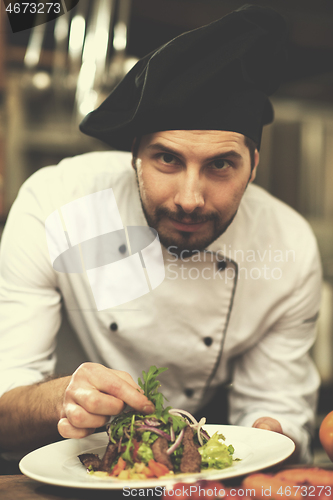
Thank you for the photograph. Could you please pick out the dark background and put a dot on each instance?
(154, 22)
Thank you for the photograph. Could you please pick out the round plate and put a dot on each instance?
(58, 464)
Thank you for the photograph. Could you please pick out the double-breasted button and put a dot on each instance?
(221, 265)
(208, 341)
(114, 326)
(189, 392)
(122, 249)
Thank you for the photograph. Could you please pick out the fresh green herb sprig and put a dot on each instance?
(123, 426)
(127, 453)
(150, 386)
(121, 422)
(176, 457)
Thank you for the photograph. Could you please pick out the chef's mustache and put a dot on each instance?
(180, 215)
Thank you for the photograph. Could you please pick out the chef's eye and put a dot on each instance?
(168, 158)
(220, 164)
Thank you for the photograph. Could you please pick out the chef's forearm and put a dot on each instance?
(29, 415)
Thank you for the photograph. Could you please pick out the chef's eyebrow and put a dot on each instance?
(158, 146)
(227, 154)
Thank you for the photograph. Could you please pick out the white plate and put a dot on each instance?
(58, 464)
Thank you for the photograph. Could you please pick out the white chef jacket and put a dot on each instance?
(257, 308)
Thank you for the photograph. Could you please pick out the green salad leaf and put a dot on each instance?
(134, 433)
(215, 454)
(145, 453)
(150, 386)
(127, 453)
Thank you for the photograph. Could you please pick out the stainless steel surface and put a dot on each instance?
(121, 62)
(61, 30)
(34, 47)
(77, 34)
(92, 72)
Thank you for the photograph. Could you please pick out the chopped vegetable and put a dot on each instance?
(177, 443)
(215, 454)
(158, 469)
(164, 442)
(121, 464)
(145, 453)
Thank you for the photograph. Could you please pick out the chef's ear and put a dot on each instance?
(254, 169)
(135, 149)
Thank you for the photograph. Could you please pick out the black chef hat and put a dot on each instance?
(216, 77)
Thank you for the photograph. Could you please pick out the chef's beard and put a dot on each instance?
(181, 243)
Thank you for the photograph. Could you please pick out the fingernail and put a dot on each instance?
(148, 409)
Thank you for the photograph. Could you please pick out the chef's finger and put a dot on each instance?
(92, 372)
(127, 377)
(80, 418)
(67, 430)
(114, 383)
(263, 426)
(268, 423)
(96, 402)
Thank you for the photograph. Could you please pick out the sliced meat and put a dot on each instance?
(191, 459)
(109, 457)
(159, 448)
(90, 460)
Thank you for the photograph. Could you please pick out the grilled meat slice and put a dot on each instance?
(159, 448)
(191, 459)
(90, 460)
(109, 457)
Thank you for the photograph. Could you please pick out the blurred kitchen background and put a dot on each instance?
(54, 74)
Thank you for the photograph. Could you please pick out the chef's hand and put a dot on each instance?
(93, 394)
(268, 423)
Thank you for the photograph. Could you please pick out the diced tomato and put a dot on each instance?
(120, 465)
(157, 468)
(148, 472)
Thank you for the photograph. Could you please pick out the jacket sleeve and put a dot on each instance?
(276, 377)
(29, 301)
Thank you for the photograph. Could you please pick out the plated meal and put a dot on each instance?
(133, 455)
(167, 442)
(57, 463)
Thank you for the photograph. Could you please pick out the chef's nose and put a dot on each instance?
(189, 195)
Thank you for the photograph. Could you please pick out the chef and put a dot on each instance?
(163, 252)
